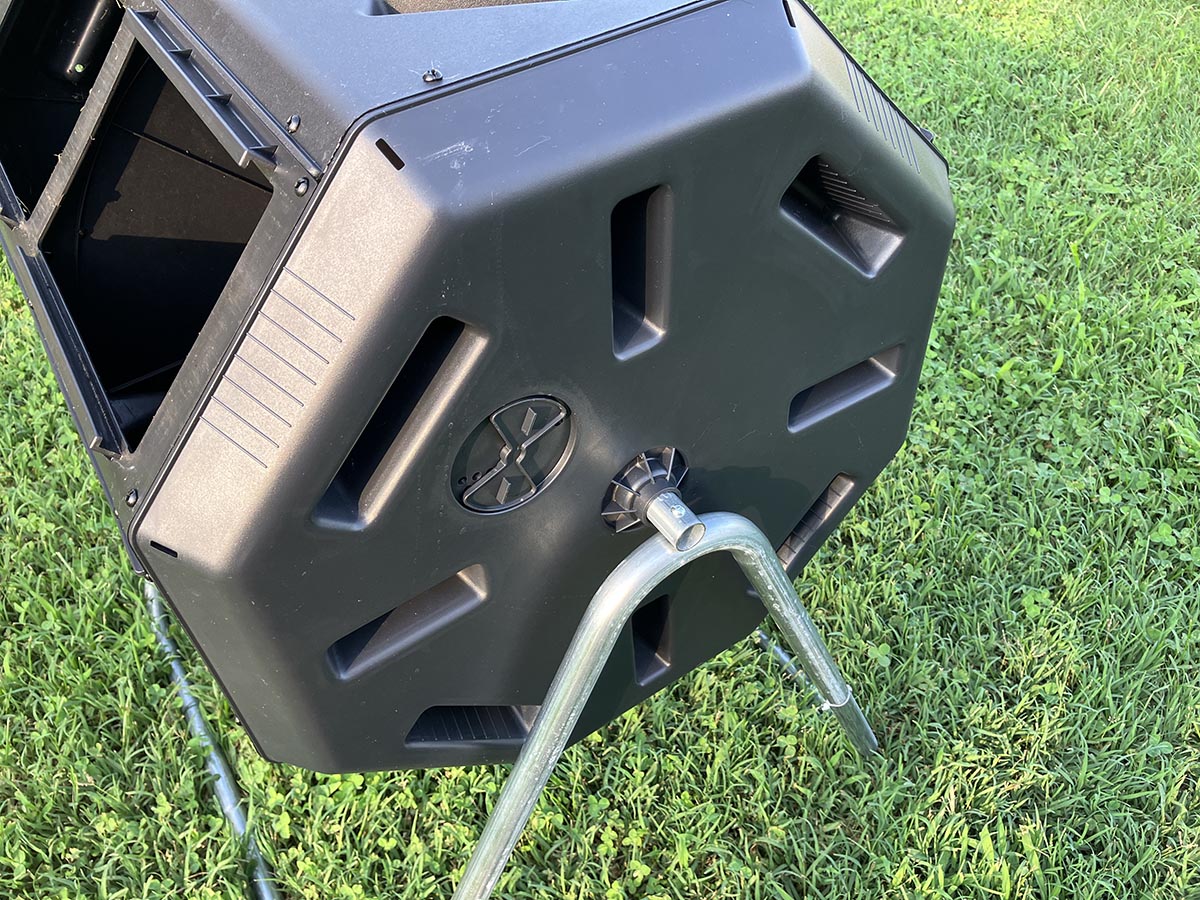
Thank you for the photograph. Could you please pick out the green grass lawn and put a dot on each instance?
(1015, 600)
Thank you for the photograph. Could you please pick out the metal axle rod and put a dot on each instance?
(616, 600)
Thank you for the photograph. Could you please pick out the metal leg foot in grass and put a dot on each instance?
(683, 537)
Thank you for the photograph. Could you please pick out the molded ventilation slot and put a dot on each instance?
(651, 625)
(390, 154)
(473, 725)
(844, 389)
(395, 633)
(146, 239)
(50, 58)
(826, 511)
(405, 417)
(641, 255)
(838, 214)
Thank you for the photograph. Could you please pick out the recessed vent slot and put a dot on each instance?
(844, 389)
(146, 239)
(827, 510)
(390, 154)
(51, 55)
(405, 417)
(651, 626)
(396, 632)
(473, 725)
(837, 213)
(641, 255)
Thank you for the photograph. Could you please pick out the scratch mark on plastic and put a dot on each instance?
(459, 149)
(545, 138)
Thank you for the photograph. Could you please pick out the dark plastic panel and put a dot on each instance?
(332, 64)
(599, 207)
(502, 219)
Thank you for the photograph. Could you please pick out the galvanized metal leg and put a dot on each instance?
(684, 538)
(224, 785)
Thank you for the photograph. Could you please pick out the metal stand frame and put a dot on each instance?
(224, 785)
(683, 537)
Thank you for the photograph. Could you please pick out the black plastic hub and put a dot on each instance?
(644, 478)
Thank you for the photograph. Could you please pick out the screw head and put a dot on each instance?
(131, 498)
(433, 76)
(293, 124)
(302, 187)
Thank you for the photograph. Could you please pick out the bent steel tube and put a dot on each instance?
(622, 592)
(224, 785)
